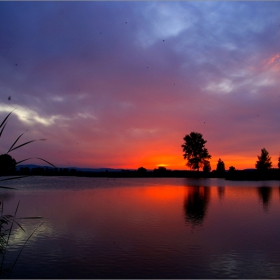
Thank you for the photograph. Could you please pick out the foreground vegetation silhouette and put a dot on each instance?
(264, 160)
(195, 152)
(9, 221)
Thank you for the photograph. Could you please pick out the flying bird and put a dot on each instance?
(9, 98)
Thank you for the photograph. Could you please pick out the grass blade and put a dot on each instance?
(24, 144)
(13, 178)
(36, 158)
(21, 145)
(2, 187)
(19, 225)
(24, 246)
(15, 142)
(13, 220)
(47, 162)
(22, 160)
(7, 241)
(2, 129)
(6, 119)
(30, 218)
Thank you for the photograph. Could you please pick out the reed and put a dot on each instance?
(7, 221)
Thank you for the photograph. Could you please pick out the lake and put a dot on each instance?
(144, 228)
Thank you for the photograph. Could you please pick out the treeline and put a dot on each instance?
(254, 175)
(197, 157)
(140, 172)
(195, 153)
(46, 171)
(161, 172)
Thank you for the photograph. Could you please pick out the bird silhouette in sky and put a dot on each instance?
(9, 98)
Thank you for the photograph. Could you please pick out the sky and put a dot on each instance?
(119, 84)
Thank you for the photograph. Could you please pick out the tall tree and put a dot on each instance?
(221, 166)
(264, 160)
(194, 150)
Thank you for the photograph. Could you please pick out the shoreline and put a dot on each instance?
(236, 175)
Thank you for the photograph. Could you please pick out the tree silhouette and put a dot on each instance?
(160, 169)
(278, 162)
(206, 166)
(264, 161)
(7, 164)
(231, 169)
(220, 166)
(194, 150)
(142, 169)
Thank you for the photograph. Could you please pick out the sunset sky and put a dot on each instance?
(119, 84)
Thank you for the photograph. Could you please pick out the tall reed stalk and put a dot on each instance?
(8, 221)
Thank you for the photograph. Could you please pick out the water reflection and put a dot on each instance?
(196, 203)
(221, 192)
(6, 196)
(265, 194)
(127, 228)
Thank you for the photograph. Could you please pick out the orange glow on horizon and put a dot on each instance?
(239, 163)
(175, 163)
(172, 159)
(163, 165)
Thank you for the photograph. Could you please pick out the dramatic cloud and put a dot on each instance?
(119, 84)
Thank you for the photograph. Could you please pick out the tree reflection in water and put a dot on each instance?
(265, 196)
(221, 192)
(195, 204)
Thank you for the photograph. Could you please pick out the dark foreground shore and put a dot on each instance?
(237, 175)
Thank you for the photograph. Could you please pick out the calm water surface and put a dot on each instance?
(145, 228)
